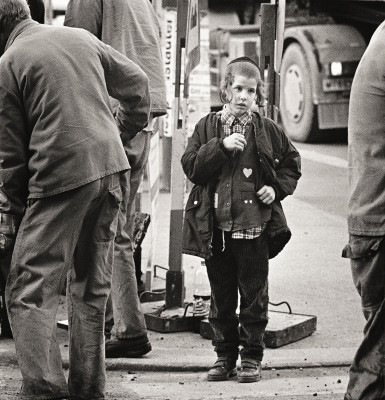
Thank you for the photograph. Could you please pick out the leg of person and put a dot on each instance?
(129, 331)
(42, 256)
(222, 273)
(88, 287)
(252, 262)
(137, 152)
(367, 372)
(5, 263)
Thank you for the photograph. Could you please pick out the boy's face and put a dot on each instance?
(242, 94)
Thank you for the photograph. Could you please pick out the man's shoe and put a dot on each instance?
(128, 348)
(223, 369)
(250, 371)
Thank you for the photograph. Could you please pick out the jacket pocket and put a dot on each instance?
(268, 168)
(194, 200)
(248, 198)
(197, 214)
(362, 247)
(108, 218)
(196, 226)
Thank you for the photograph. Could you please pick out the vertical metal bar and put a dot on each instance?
(175, 292)
(48, 12)
(268, 34)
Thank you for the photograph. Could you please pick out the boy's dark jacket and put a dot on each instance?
(202, 162)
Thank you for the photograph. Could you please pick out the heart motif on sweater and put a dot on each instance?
(247, 172)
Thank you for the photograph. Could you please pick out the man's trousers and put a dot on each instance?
(367, 372)
(65, 235)
(123, 306)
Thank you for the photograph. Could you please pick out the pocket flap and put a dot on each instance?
(362, 247)
(117, 193)
(248, 196)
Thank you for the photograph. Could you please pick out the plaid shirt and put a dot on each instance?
(232, 124)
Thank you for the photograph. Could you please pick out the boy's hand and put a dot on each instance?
(266, 194)
(236, 141)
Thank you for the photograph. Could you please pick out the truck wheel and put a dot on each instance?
(298, 113)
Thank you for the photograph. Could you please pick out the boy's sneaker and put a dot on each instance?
(223, 369)
(250, 371)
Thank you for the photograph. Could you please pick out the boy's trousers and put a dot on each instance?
(124, 310)
(71, 232)
(367, 372)
(243, 266)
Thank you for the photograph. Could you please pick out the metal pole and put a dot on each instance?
(48, 12)
(175, 291)
(268, 33)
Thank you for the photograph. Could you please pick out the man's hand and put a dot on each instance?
(6, 244)
(9, 225)
(266, 194)
(236, 141)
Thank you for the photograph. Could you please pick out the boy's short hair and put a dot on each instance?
(244, 66)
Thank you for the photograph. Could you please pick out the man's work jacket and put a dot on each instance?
(57, 129)
(132, 28)
(366, 142)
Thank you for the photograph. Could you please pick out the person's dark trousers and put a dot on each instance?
(4, 270)
(70, 234)
(367, 371)
(242, 265)
(37, 8)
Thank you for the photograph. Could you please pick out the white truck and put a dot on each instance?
(323, 43)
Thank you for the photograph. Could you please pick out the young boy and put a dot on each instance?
(242, 165)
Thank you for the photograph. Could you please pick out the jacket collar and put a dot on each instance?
(20, 28)
(256, 120)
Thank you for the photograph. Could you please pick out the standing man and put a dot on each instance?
(366, 216)
(131, 27)
(37, 13)
(61, 158)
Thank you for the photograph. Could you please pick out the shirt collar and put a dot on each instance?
(20, 28)
(228, 118)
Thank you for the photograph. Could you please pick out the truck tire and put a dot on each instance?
(297, 111)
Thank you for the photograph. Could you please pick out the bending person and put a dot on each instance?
(61, 168)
